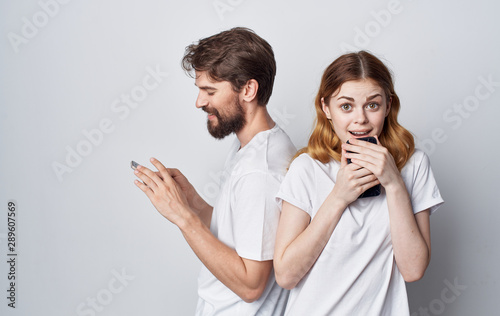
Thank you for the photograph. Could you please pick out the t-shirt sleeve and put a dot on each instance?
(425, 192)
(298, 184)
(255, 215)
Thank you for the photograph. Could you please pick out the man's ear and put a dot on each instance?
(325, 109)
(249, 91)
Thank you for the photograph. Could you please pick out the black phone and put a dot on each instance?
(375, 190)
(369, 139)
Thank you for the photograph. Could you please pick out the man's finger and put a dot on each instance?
(144, 188)
(147, 176)
(173, 172)
(165, 176)
(159, 174)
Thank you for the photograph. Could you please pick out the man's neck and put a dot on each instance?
(258, 121)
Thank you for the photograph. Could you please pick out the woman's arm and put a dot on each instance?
(410, 233)
(300, 240)
(299, 243)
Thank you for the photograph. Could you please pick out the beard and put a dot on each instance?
(226, 124)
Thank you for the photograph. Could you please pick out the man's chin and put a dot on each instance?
(216, 131)
(220, 128)
(218, 134)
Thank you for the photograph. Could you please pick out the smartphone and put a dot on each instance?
(133, 165)
(369, 139)
(375, 190)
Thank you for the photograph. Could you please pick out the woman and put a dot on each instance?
(338, 253)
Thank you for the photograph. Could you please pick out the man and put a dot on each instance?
(234, 72)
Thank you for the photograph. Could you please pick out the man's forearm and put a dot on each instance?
(206, 215)
(246, 278)
(202, 209)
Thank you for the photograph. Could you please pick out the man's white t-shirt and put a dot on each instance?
(245, 218)
(356, 273)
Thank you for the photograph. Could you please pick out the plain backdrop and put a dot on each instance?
(88, 86)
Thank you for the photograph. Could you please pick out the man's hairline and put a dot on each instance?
(215, 79)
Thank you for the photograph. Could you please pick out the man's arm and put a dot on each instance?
(246, 278)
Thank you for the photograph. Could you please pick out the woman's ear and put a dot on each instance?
(325, 109)
(388, 109)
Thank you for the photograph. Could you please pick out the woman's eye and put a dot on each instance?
(372, 106)
(346, 107)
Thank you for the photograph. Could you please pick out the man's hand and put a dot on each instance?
(172, 195)
(196, 202)
(167, 195)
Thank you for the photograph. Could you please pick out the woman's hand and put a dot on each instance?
(375, 158)
(352, 180)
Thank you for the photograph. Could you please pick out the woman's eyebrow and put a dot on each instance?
(368, 98)
(348, 98)
(373, 97)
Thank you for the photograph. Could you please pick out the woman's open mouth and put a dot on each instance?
(360, 133)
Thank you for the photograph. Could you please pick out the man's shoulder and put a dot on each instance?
(280, 143)
(270, 153)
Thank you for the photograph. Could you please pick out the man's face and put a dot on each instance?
(221, 102)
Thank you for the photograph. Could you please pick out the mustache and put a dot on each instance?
(212, 111)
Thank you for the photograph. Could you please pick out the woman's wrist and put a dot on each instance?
(335, 203)
(395, 187)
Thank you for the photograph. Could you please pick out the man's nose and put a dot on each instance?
(201, 101)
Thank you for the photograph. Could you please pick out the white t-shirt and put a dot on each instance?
(356, 273)
(245, 218)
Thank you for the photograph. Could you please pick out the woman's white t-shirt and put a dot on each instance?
(356, 273)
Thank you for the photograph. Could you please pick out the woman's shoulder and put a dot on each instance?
(302, 161)
(418, 157)
(306, 162)
(419, 161)
(304, 158)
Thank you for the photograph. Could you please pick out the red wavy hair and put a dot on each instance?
(324, 144)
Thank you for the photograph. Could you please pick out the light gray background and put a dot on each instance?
(77, 232)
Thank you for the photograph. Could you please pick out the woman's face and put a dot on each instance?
(357, 109)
